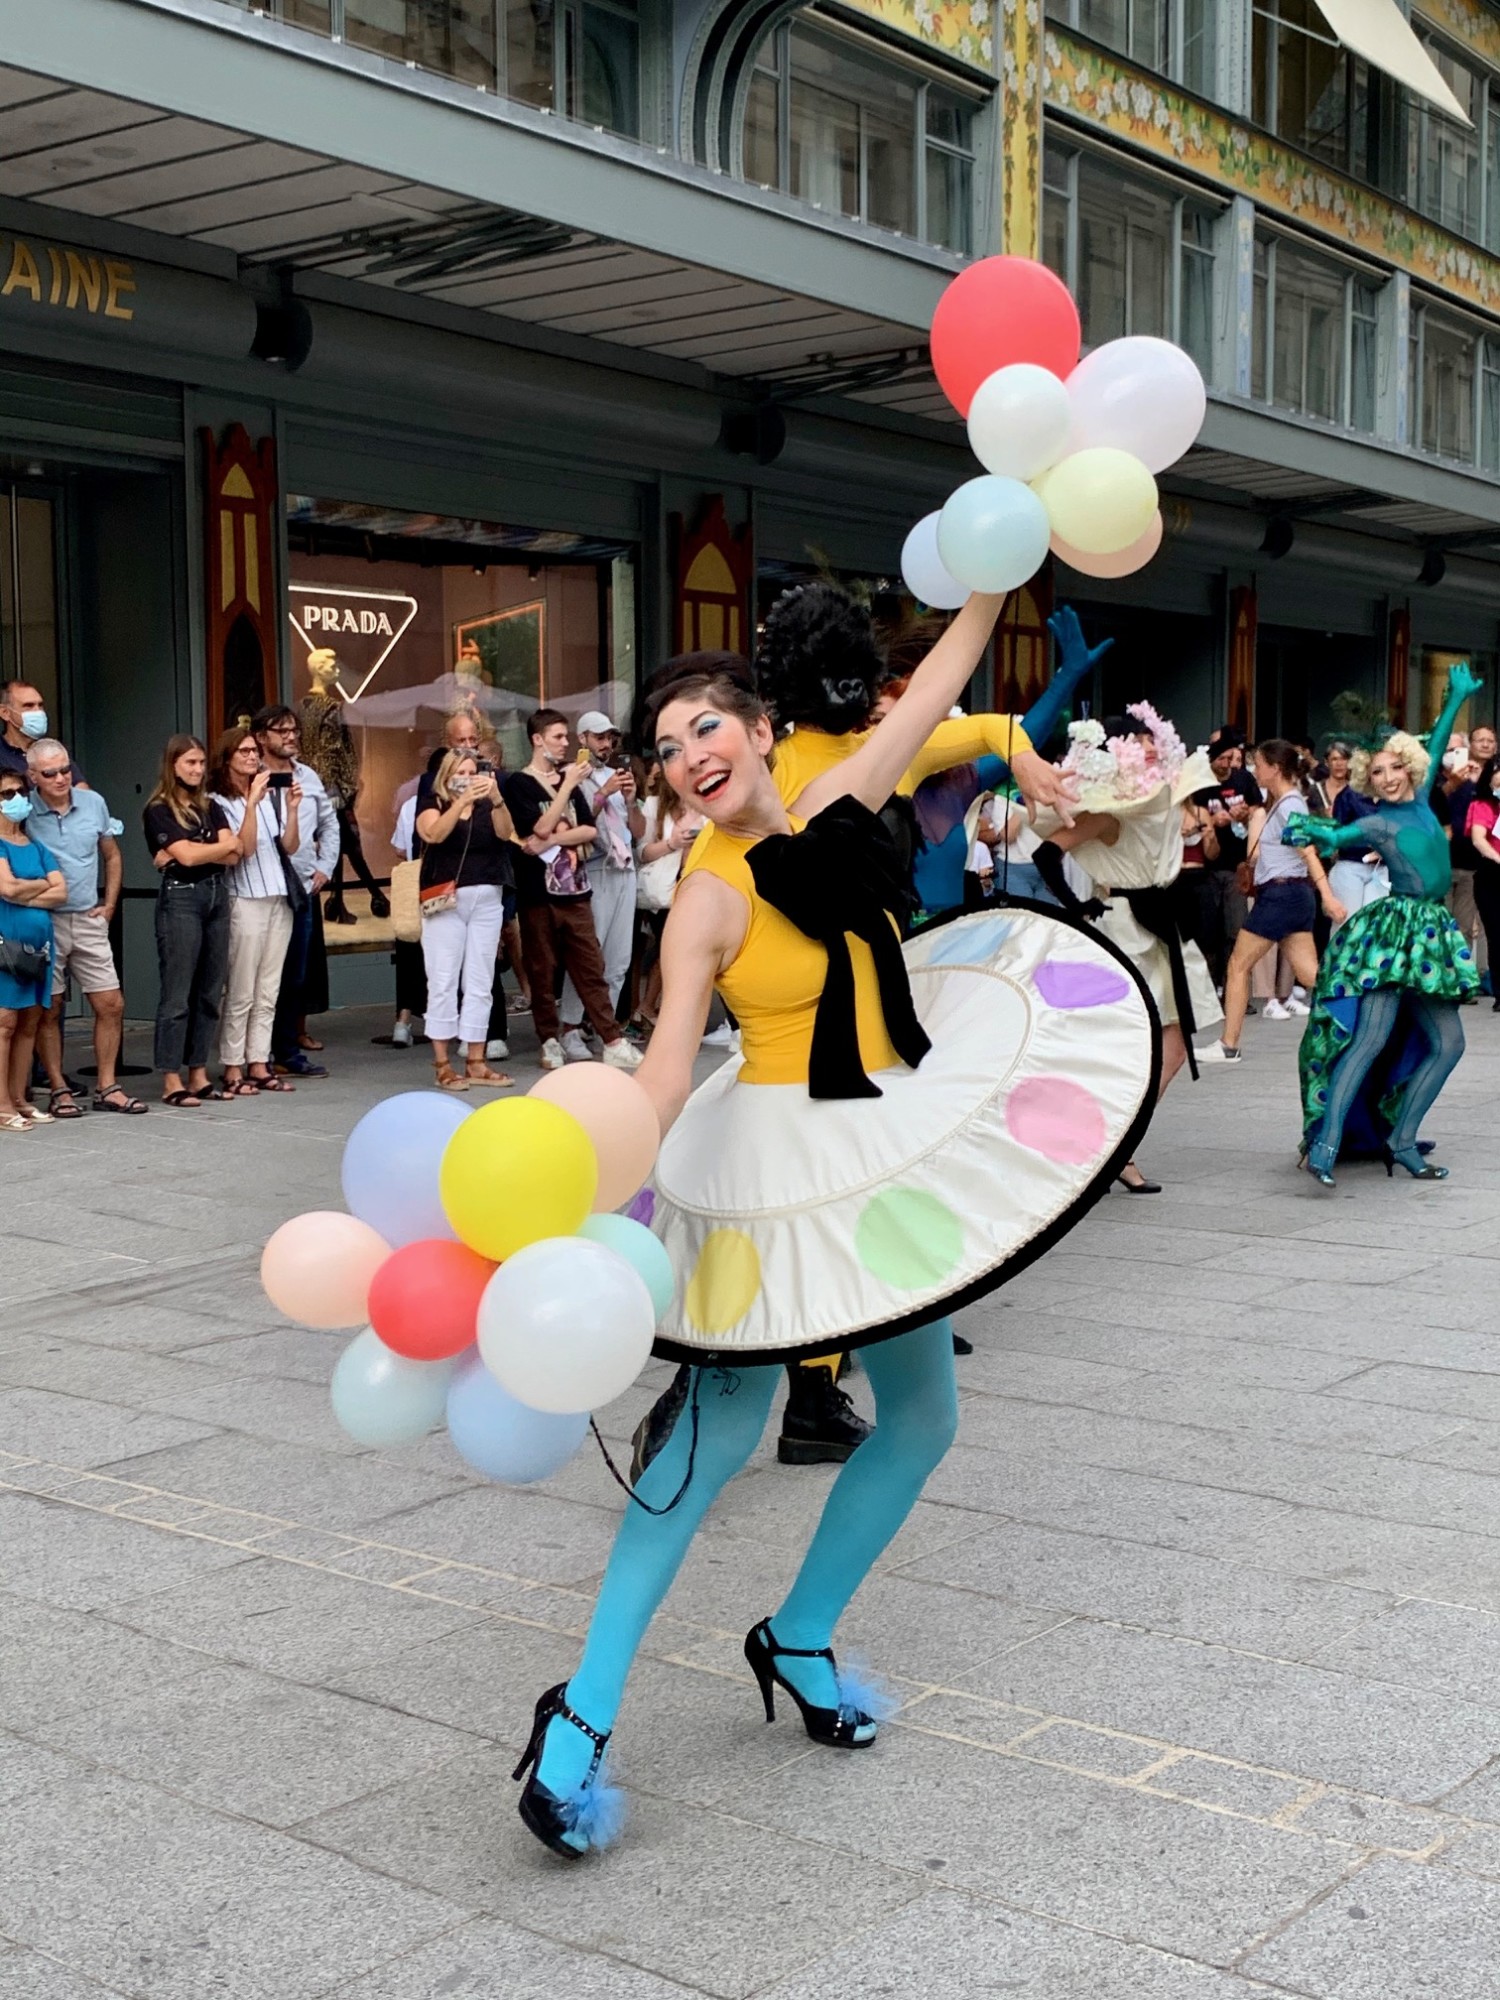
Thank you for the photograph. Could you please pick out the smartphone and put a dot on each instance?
(279, 781)
(620, 761)
(485, 768)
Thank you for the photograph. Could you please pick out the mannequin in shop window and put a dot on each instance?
(328, 747)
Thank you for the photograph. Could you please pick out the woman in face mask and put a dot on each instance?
(31, 887)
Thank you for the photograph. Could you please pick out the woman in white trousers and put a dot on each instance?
(466, 835)
(267, 825)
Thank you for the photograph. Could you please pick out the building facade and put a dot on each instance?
(508, 345)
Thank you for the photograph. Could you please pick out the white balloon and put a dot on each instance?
(1140, 395)
(566, 1325)
(1019, 421)
(922, 569)
(993, 534)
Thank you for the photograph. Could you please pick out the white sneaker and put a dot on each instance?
(622, 1055)
(552, 1056)
(496, 1051)
(1276, 1010)
(721, 1037)
(401, 1035)
(1295, 1006)
(1299, 993)
(1217, 1053)
(574, 1047)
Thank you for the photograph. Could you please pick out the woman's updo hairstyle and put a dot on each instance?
(726, 680)
(819, 662)
(1281, 756)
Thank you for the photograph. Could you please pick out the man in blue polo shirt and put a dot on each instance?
(80, 832)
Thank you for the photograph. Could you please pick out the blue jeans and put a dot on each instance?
(192, 950)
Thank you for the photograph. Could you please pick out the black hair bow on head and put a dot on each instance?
(841, 875)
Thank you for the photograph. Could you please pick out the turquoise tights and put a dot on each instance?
(916, 1408)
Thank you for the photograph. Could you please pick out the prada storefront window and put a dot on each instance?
(431, 616)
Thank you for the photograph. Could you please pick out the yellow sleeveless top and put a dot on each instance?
(776, 980)
(961, 739)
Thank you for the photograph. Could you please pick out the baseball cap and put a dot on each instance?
(597, 723)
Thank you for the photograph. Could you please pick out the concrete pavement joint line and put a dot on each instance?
(1170, 1755)
(1285, 1923)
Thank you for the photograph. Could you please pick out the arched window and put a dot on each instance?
(836, 119)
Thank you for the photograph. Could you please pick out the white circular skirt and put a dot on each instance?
(799, 1225)
(1123, 927)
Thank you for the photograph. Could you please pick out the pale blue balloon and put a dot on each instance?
(504, 1439)
(381, 1398)
(642, 1251)
(993, 534)
(391, 1161)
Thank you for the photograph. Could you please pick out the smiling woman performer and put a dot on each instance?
(829, 1190)
(1384, 1034)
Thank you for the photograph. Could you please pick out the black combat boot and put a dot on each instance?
(819, 1426)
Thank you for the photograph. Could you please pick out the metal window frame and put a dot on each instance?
(1428, 114)
(1180, 198)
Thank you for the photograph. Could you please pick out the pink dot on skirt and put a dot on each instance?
(1060, 1120)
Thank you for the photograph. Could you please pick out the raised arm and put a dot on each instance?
(1075, 659)
(1462, 682)
(1326, 837)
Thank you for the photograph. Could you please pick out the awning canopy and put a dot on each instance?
(1378, 31)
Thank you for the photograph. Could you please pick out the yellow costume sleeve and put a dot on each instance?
(963, 739)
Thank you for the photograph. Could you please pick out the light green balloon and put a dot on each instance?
(642, 1251)
(381, 1398)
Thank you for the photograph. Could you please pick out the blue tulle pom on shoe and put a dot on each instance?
(863, 1692)
(595, 1812)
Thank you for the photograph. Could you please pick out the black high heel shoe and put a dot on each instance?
(593, 1811)
(838, 1726)
(1421, 1171)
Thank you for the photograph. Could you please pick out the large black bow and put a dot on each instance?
(842, 874)
(1157, 910)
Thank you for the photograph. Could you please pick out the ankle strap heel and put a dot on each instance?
(846, 1727)
(589, 1816)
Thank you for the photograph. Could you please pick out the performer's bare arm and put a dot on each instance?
(703, 935)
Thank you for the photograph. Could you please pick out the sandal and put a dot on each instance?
(269, 1082)
(14, 1122)
(239, 1086)
(62, 1104)
(117, 1098)
(180, 1100)
(309, 1042)
(447, 1078)
(34, 1117)
(479, 1071)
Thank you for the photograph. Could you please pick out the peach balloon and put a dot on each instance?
(1124, 562)
(620, 1119)
(317, 1268)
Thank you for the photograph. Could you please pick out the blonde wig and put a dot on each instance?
(1410, 753)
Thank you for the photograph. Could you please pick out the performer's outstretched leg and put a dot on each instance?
(1373, 1026)
(916, 1415)
(1439, 1022)
(733, 1405)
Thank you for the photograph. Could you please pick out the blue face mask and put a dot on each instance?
(34, 722)
(17, 807)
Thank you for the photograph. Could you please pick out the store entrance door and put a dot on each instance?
(1300, 674)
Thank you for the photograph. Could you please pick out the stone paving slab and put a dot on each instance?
(1193, 1634)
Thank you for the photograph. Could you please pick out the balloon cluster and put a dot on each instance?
(481, 1255)
(1070, 448)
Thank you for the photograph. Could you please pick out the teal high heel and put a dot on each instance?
(1410, 1157)
(1318, 1160)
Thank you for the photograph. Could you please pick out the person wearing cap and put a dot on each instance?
(609, 790)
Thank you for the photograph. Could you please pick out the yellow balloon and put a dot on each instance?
(515, 1173)
(1099, 500)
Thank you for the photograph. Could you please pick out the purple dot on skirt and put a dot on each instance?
(643, 1207)
(1064, 982)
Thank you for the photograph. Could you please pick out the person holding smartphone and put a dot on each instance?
(304, 974)
(264, 812)
(608, 787)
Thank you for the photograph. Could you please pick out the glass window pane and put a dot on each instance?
(1195, 332)
(607, 93)
(948, 118)
(1057, 200)
(1200, 48)
(1489, 410)
(1445, 156)
(1447, 389)
(890, 167)
(454, 37)
(1124, 239)
(1305, 87)
(529, 30)
(1308, 336)
(1362, 350)
(1259, 328)
(1150, 280)
(762, 131)
(825, 148)
(950, 200)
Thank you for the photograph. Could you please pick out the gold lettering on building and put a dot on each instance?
(92, 286)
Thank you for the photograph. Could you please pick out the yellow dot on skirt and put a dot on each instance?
(725, 1281)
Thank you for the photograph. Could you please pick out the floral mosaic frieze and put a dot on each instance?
(961, 28)
(1149, 113)
(1467, 22)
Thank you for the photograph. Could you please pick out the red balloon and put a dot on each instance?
(424, 1299)
(1000, 310)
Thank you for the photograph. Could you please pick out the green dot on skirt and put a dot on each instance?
(907, 1238)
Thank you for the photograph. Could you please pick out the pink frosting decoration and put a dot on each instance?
(1060, 1120)
(1064, 982)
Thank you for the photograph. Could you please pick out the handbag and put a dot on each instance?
(406, 901)
(435, 897)
(24, 961)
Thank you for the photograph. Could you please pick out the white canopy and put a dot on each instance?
(1378, 31)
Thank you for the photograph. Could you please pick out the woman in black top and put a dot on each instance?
(466, 836)
(192, 845)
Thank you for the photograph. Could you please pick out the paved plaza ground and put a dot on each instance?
(1197, 1630)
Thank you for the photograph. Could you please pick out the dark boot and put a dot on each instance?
(653, 1430)
(819, 1426)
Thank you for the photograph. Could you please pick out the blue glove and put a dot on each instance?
(1075, 660)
